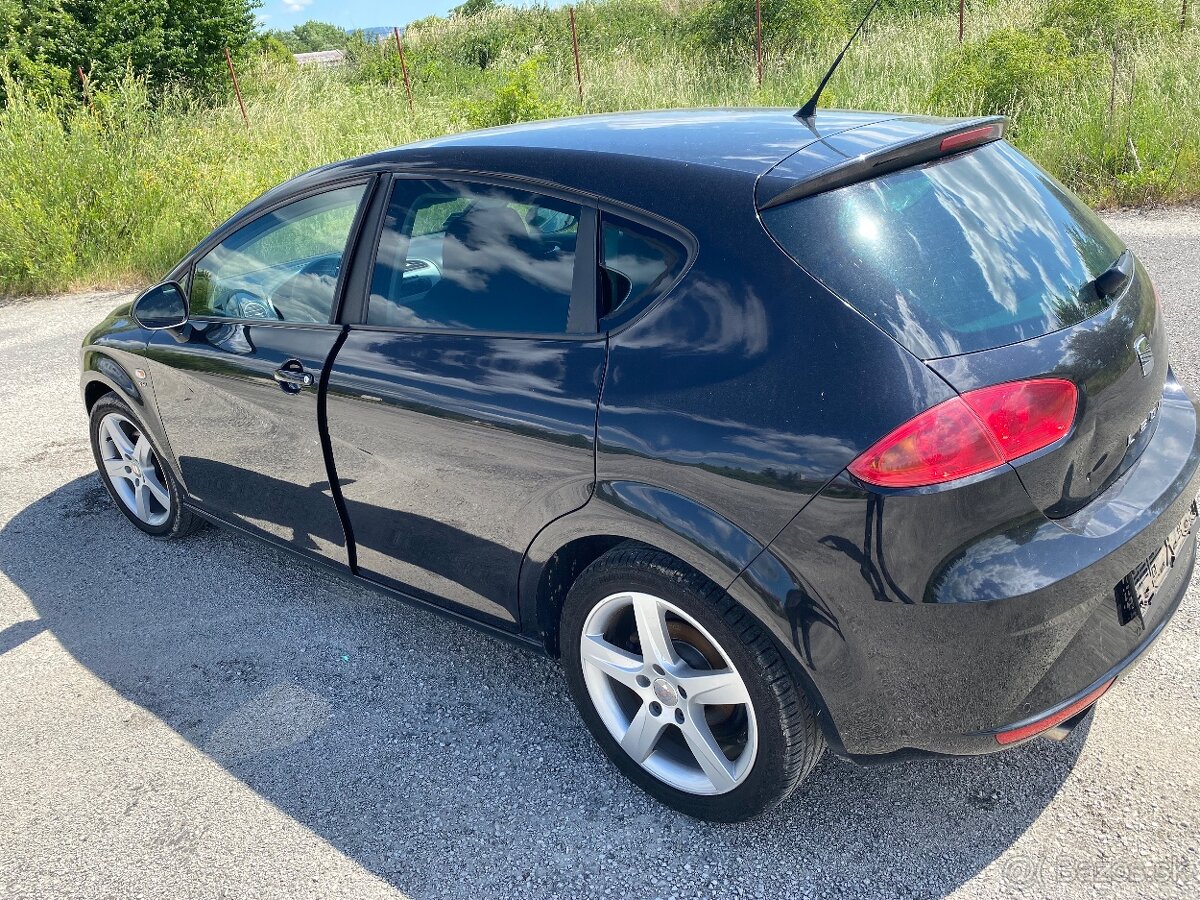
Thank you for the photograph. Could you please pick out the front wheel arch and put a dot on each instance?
(92, 393)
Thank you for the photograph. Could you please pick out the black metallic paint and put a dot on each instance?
(1097, 355)
(451, 448)
(249, 449)
(716, 424)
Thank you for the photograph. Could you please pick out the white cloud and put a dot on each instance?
(296, 5)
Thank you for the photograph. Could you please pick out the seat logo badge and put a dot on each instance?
(1144, 354)
(665, 692)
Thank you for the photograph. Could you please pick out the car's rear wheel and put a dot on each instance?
(139, 482)
(683, 689)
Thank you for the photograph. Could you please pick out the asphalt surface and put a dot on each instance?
(213, 718)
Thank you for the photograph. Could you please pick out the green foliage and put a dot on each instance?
(1000, 72)
(117, 193)
(166, 42)
(474, 7)
(919, 8)
(787, 24)
(274, 50)
(312, 36)
(518, 98)
(1107, 22)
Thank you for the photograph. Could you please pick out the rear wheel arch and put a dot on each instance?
(656, 517)
(558, 573)
(583, 552)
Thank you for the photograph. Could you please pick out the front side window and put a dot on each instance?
(283, 266)
(461, 256)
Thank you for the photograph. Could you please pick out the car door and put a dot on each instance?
(462, 408)
(237, 387)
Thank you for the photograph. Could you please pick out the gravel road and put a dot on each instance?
(215, 719)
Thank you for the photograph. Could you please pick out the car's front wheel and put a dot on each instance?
(130, 467)
(682, 688)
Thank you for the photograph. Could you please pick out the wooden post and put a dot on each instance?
(87, 91)
(236, 88)
(962, 19)
(403, 68)
(758, 38)
(575, 48)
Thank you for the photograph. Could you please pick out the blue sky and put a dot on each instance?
(283, 14)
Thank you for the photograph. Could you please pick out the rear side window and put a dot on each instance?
(636, 263)
(968, 253)
(474, 257)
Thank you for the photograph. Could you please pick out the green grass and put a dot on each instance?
(116, 194)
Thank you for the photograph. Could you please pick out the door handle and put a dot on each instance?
(294, 378)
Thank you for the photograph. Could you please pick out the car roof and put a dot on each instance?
(694, 153)
(748, 140)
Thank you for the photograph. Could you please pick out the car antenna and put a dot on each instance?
(809, 109)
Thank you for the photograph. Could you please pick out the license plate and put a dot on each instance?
(1136, 591)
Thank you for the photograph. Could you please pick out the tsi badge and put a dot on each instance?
(1144, 354)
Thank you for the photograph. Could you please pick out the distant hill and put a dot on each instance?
(379, 32)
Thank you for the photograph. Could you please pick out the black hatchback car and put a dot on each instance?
(855, 431)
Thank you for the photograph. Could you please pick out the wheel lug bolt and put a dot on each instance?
(682, 692)
(655, 709)
(643, 681)
(659, 670)
(679, 716)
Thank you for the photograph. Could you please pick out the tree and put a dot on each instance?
(312, 36)
(473, 7)
(272, 48)
(45, 42)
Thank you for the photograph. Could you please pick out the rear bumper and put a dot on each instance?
(911, 649)
(1170, 596)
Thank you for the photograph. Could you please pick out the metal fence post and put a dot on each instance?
(758, 53)
(236, 87)
(403, 68)
(575, 48)
(962, 19)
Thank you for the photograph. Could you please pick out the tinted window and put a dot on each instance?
(977, 251)
(468, 256)
(283, 266)
(637, 263)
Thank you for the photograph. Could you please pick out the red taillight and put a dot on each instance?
(972, 137)
(1045, 724)
(1024, 416)
(966, 435)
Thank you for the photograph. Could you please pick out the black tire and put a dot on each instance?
(180, 522)
(789, 741)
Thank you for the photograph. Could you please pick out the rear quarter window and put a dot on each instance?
(637, 264)
(968, 253)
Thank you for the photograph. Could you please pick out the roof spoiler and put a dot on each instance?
(893, 157)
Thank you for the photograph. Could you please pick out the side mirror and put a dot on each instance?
(163, 306)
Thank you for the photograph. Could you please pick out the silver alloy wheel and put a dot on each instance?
(133, 470)
(661, 705)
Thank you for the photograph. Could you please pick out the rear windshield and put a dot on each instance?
(975, 251)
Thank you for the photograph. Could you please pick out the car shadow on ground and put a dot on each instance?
(443, 760)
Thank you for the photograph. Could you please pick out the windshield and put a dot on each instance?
(968, 253)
